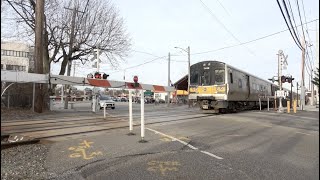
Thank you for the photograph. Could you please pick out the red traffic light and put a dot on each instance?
(97, 75)
(135, 79)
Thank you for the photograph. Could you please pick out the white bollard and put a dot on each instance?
(130, 114)
(142, 118)
(104, 110)
(260, 103)
(93, 103)
(268, 104)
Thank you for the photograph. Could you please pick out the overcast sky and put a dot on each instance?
(156, 27)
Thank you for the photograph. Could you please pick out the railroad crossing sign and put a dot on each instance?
(282, 93)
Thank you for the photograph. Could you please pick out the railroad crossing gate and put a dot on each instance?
(24, 77)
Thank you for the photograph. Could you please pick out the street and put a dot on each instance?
(184, 143)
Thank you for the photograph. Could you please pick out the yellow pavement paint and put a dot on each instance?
(81, 151)
(166, 139)
(163, 166)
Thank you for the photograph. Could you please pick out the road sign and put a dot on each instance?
(282, 93)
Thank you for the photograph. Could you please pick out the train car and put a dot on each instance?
(218, 86)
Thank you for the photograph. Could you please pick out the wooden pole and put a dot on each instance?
(39, 100)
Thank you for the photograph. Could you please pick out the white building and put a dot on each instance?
(16, 56)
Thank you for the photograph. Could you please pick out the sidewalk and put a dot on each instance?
(311, 108)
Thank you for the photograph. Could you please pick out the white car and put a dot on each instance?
(106, 101)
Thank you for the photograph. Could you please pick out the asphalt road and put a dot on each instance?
(187, 144)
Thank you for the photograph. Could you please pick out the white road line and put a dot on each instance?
(210, 154)
(303, 133)
(287, 115)
(265, 125)
(184, 143)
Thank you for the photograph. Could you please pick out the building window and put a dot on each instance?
(9, 67)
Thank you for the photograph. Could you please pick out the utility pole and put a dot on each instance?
(98, 60)
(189, 76)
(74, 68)
(39, 101)
(317, 61)
(291, 92)
(302, 96)
(168, 78)
(280, 54)
(297, 91)
(312, 88)
(72, 36)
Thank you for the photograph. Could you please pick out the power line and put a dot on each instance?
(294, 32)
(151, 54)
(300, 20)
(304, 13)
(215, 17)
(223, 7)
(285, 19)
(257, 39)
(294, 21)
(139, 64)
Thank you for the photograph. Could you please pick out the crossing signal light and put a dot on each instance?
(290, 79)
(97, 75)
(105, 76)
(283, 79)
(135, 80)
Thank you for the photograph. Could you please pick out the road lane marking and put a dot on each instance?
(288, 115)
(303, 133)
(212, 155)
(184, 143)
(173, 138)
(265, 125)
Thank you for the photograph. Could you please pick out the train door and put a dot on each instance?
(248, 85)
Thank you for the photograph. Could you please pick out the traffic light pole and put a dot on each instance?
(291, 93)
(279, 78)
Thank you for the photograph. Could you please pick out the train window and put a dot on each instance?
(231, 78)
(240, 83)
(219, 76)
(205, 78)
(194, 79)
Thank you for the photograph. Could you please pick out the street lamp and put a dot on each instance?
(187, 51)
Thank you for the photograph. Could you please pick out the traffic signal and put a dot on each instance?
(135, 80)
(97, 75)
(105, 76)
(283, 79)
(290, 79)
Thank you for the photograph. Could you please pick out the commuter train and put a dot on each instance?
(218, 86)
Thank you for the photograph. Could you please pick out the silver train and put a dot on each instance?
(218, 86)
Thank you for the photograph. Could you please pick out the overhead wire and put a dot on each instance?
(289, 17)
(300, 19)
(294, 21)
(257, 39)
(285, 19)
(224, 27)
(304, 13)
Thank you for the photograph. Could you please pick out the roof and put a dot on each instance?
(182, 84)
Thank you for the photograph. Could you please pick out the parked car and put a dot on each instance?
(123, 99)
(106, 101)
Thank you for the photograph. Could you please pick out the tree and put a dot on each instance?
(97, 24)
(315, 80)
